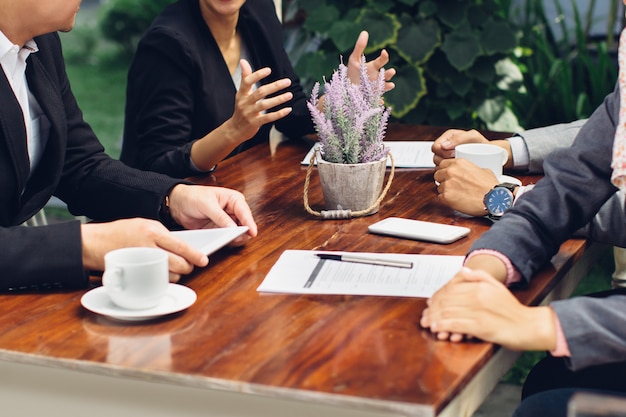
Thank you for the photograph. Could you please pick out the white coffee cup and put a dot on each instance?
(483, 155)
(136, 278)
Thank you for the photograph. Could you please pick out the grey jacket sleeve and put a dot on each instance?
(609, 224)
(594, 329)
(541, 141)
(576, 184)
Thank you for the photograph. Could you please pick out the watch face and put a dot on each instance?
(498, 201)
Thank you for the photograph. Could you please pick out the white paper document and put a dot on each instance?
(408, 154)
(302, 272)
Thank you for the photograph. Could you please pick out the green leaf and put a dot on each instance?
(455, 109)
(380, 6)
(321, 19)
(428, 8)
(497, 37)
(410, 87)
(461, 84)
(511, 77)
(318, 64)
(344, 34)
(417, 41)
(452, 12)
(507, 122)
(491, 109)
(462, 47)
(443, 90)
(483, 70)
(382, 28)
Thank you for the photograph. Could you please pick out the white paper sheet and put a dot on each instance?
(301, 272)
(409, 154)
(208, 241)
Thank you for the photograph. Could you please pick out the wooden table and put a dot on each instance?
(348, 355)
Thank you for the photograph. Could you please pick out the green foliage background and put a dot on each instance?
(447, 53)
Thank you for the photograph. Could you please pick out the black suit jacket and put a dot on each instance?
(74, 167)
(179, 87)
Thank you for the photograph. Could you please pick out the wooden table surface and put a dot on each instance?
(355, 351)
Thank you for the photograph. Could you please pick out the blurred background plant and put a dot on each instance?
(567, 72)
(124, 21)
(452, 56)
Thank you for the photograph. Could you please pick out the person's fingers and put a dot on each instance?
(390, 73)
(268, 103)
(182, 255)
(273, 116)
(442, 335)
(381, 60)
(456, 337)
(249, 78)
(271, 88)
(359, 46)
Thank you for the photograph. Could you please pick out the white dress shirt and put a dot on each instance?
(13, 61)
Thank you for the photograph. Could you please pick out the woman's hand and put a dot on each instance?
(251, 106)
(373, 67)
(250, 113)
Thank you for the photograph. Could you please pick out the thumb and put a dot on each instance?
(246, 69)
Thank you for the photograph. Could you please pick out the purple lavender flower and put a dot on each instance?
(353, 120)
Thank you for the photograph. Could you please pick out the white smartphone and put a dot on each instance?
(419, 230)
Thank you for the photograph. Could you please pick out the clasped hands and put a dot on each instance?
(475, 304)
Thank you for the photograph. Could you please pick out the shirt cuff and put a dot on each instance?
(521, 190)
(513, 276)
(519, 152)
(562, 348)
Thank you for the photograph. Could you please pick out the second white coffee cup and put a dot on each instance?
(136, 278)
(483, 155)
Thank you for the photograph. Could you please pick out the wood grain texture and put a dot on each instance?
(358, 350)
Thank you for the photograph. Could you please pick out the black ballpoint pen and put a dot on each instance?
(365, 260)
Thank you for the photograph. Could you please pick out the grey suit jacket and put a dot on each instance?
(606, 226)
(576, 184)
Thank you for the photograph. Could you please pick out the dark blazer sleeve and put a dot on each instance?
(75, 168)
(179, 88)
(576, 184)
(92, 183)
(163, 103)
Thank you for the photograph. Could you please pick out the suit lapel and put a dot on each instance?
(13, 132)
(45, 178)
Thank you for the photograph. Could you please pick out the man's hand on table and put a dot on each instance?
(475, 304)
(444, 145)
(463, 185)
(191, 206)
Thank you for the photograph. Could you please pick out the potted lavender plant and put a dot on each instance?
(350, 121)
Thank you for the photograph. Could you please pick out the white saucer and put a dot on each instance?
(503, 178)
(512, 180)
(177, 298)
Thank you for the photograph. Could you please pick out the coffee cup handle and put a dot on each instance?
(505, 156)
(113, 278)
